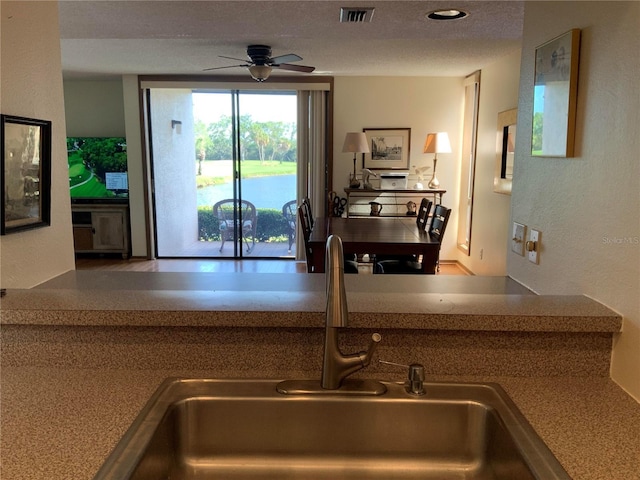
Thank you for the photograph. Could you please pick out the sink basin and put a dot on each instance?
(245, 429)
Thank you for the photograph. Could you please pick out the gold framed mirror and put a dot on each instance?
(505, 151)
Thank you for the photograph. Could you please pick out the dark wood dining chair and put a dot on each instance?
(414, 266)
(305, 228)
(306, 203)
(422, 219)
(350, 263)
(423, 214)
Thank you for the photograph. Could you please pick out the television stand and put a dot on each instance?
(101, 228)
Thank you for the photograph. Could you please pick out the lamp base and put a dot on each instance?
(353, 181)
(434, 183)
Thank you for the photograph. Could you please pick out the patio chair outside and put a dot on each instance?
(289, 212)
(246, 221)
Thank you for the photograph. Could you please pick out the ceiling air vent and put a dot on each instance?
(356, 15)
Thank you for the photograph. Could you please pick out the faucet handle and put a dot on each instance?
(365, 357)
(416, 376)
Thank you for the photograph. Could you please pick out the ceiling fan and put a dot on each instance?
(261, 62)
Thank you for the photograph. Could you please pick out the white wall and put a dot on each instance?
(175, 170)
(587, 207)
(498, 92)
(425, 105)
(31, 86)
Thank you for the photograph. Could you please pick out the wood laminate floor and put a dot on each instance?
(115, 263)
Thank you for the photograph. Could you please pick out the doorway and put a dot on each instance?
(223, 164)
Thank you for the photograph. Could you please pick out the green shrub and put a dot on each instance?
(272, 226)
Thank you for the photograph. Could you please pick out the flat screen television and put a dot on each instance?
(98, 169)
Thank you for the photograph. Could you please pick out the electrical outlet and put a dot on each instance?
(533, 246)
(517, 238)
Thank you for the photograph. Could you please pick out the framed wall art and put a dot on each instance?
(505, 151)
(26, 173)
(388, 148)
(555, 96)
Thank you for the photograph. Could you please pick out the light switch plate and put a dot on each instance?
(534, 255)
(517, 238)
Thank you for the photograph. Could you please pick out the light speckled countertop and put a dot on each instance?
(62, 423)
(445, 303)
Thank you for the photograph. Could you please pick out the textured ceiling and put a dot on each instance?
(102, 38)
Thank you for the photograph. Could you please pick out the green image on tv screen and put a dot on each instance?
(98, 167)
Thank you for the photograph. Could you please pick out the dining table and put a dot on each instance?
(373, 236)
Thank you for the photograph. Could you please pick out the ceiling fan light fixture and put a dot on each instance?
(447, 14)
(260, 72)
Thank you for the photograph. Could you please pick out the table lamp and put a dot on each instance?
(355, 142)
(436, 143)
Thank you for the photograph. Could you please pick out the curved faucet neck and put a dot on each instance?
(337, 313)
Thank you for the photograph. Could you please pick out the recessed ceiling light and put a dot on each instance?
(451, 14)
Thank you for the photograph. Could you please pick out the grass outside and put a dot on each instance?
(81, 182)
(216, 172)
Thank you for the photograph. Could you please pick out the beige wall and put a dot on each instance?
(425, 105)
(97, 100)
(587, 207)
(498, 92)
(31, 86)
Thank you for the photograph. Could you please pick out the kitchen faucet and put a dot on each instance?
(335, 365)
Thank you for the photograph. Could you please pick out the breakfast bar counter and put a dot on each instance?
(81, 356)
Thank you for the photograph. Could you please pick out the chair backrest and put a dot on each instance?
(224, 210)
(423, 213)
(439, 222)
(305, 226)
(290, 210)
(307, 205)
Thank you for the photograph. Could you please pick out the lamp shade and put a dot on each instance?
(355, 142)
(437, 143)
(260, 72)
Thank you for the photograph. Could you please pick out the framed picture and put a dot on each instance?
(555, 96)
(389, 148)
(26, 174)
(505, 151)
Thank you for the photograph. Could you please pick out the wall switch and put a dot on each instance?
(533, 246)
(517, 238)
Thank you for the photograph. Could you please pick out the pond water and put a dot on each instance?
(263, 192)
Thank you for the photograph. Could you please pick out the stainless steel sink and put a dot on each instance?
(245, 429)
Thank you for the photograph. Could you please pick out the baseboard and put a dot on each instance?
(456, 263)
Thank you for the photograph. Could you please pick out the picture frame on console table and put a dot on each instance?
(26, 174)
(389, 148)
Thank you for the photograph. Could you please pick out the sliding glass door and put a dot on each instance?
(224, 167)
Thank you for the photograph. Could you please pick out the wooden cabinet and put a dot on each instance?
(394, 202)
(101, 228)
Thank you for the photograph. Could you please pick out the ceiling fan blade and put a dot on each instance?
(228, 66)
(234, 58)
(294, 68)
(289, 57)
